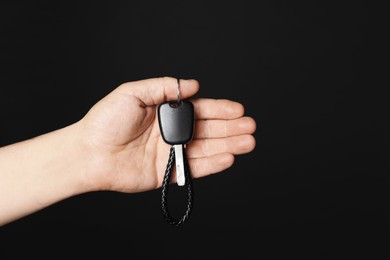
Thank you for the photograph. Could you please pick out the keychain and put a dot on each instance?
(177, 120)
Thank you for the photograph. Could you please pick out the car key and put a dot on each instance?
(176, 121)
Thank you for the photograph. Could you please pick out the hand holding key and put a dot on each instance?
(125, 149)
(118, 146)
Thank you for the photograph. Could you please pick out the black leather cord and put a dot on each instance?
(165, 185)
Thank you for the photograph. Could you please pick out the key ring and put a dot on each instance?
(178, 92)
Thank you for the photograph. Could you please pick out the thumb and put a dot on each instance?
(158, 90)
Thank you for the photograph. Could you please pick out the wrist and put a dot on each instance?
(65, 160)
(92, 164)
(78, 158)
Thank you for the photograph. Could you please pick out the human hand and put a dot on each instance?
(117, 146)
(123, 147)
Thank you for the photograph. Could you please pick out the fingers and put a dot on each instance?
(209, 156)
(201, 167)
(158, 90)
(206, 108)
(208, 147)
(224, 128)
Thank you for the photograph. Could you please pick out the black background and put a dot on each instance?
(313, 188)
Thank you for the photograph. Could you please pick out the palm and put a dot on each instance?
(124, 133)
(129, 155)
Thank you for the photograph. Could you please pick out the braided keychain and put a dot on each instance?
(164, 195)
(176, 120)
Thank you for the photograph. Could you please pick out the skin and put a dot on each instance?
(117, 146)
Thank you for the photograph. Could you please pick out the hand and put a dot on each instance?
(121, 138)
(117, 146)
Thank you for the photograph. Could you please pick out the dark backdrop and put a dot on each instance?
(314, 187)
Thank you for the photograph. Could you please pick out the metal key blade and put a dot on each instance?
(179, 158)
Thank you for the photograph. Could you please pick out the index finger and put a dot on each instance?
(207, 108)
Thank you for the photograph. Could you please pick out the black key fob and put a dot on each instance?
(176, 121)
